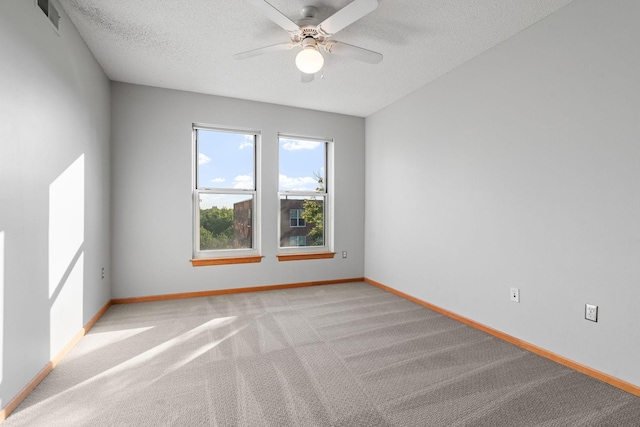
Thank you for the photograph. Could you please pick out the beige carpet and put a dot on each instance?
(335, 355)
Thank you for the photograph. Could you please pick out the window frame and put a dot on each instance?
(327, 247)
(241, 255)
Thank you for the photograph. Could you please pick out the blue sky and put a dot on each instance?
(299, 161)
(225, 160)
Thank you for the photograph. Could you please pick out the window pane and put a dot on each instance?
(298, 241)
(295, 218)
(302, 165)
(308, 228)
(225, 221)
(225, 160)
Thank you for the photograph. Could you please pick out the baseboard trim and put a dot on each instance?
(13, 404)
(232, 291)
(601, 376)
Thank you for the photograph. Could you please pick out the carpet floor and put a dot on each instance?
(334, 355)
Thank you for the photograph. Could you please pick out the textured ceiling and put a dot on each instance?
(189, 45)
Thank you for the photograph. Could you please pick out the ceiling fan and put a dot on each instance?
(313, 38)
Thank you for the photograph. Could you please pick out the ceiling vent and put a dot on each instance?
(50, 10)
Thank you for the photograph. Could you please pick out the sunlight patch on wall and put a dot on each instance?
(1, 306)
(66, 221)
(66, 257)
(65, 315)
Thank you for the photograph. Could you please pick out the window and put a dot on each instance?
(304, 195)
(296, 219)
(225, 192)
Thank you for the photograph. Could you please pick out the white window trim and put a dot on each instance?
(328, 196)
(256, 212)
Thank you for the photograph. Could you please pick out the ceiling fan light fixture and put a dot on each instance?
(309, 60)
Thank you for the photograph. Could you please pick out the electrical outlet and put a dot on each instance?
(591, 312)
(515, 294)
(103, 272)
(344, 254)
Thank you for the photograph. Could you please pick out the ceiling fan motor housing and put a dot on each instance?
(308, 41)
(307, 32)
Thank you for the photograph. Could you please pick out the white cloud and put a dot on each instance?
(292, 145)
(244, 182)
(218, 180)
(247, 143)
(203, 159)
(305, 183)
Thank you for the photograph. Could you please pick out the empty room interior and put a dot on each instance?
(469, 168)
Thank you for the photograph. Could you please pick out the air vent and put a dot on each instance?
(50, 10)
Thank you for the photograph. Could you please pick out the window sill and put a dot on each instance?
(226, 261)
(301, 257)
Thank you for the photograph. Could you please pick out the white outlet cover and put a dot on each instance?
(591, 312)
(515, 294)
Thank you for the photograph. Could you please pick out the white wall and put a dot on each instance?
(522, 168)
(152, 201)
(54, 190)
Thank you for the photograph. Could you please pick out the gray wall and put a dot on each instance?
(522, 168)
(152, 202)
(54, 190)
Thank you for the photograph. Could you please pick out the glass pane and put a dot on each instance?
(308, 230)
(225, 160)
(298, 241)
(225, 221)
(302, 165)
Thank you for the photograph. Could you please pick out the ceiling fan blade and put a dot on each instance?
(263, 50)
(307, 78)
(353, 52)
(347, 15)
(275, 15)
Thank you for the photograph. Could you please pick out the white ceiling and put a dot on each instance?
(188, 45)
